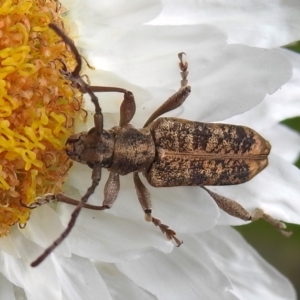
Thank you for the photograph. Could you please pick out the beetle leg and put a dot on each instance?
(183, 65)
(143, 196)
(280, 226)
(127, 109)
(170, 234)
(96, 176)
(111, 191)
(178, 98)
(236, 210)
(145, 201)
(230, 206)
(173, 102)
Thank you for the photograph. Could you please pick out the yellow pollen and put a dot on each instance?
(37, 107)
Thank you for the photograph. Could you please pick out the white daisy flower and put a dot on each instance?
(116, 254)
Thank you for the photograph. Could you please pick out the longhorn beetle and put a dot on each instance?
(168, 151)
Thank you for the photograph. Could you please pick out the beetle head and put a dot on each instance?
(90, 147)
(75, 145)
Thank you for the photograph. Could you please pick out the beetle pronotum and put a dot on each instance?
(168, 151)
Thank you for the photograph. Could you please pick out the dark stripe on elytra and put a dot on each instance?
(175, 138)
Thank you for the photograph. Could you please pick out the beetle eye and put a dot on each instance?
(72, 140)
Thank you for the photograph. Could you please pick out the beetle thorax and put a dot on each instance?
(134, 150)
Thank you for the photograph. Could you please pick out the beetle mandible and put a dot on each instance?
(168, 151)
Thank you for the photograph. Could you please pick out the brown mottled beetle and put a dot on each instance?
(168, 151)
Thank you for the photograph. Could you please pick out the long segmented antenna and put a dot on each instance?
(75, 77)
(71, 224)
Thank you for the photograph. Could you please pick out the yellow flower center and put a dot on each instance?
(37, 107)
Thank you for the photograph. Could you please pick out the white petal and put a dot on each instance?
(285, 142)
(186, 273)
(19, 293)
(251, 276)
(147, 55)
(8, 246)
(6, 288)
(43, 229)
(118, 13)
(281, 105)
(234, 82)
(120, 286)
(225, 81)
(32, 280)
(275, 190)
(256, 23)
(80, 279)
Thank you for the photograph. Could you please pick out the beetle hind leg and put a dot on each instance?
(236, 210)
(280, 226)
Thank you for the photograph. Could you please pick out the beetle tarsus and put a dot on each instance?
(280, 226)
(39, 201)
(170, 233)
(183, 65)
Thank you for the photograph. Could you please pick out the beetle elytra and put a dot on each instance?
(168, 151)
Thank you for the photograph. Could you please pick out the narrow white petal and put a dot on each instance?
(120, 286)
(8, 246)
(281, 105)
(237, 80)
(19, 293)
(285, 141)
(80, 279)
(186, 273)
(38, 283)
(255, 23)
(6, 289)
(251, 276)
(147, 55)
(44, 227)
(117, 13)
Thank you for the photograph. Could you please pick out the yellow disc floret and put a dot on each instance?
(37, 107)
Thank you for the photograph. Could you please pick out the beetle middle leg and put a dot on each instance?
(179, 97)
(145, 201)
(236, 210)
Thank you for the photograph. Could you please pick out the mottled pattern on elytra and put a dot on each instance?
(194, 153)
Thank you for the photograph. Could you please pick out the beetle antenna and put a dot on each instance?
(72, 47)
(75, 75)
(80, 205)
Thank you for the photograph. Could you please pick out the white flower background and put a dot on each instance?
(116, 254)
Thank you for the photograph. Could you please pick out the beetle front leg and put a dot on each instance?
(236, 210)
(111, 191)
(127, 109)
(145, 201)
